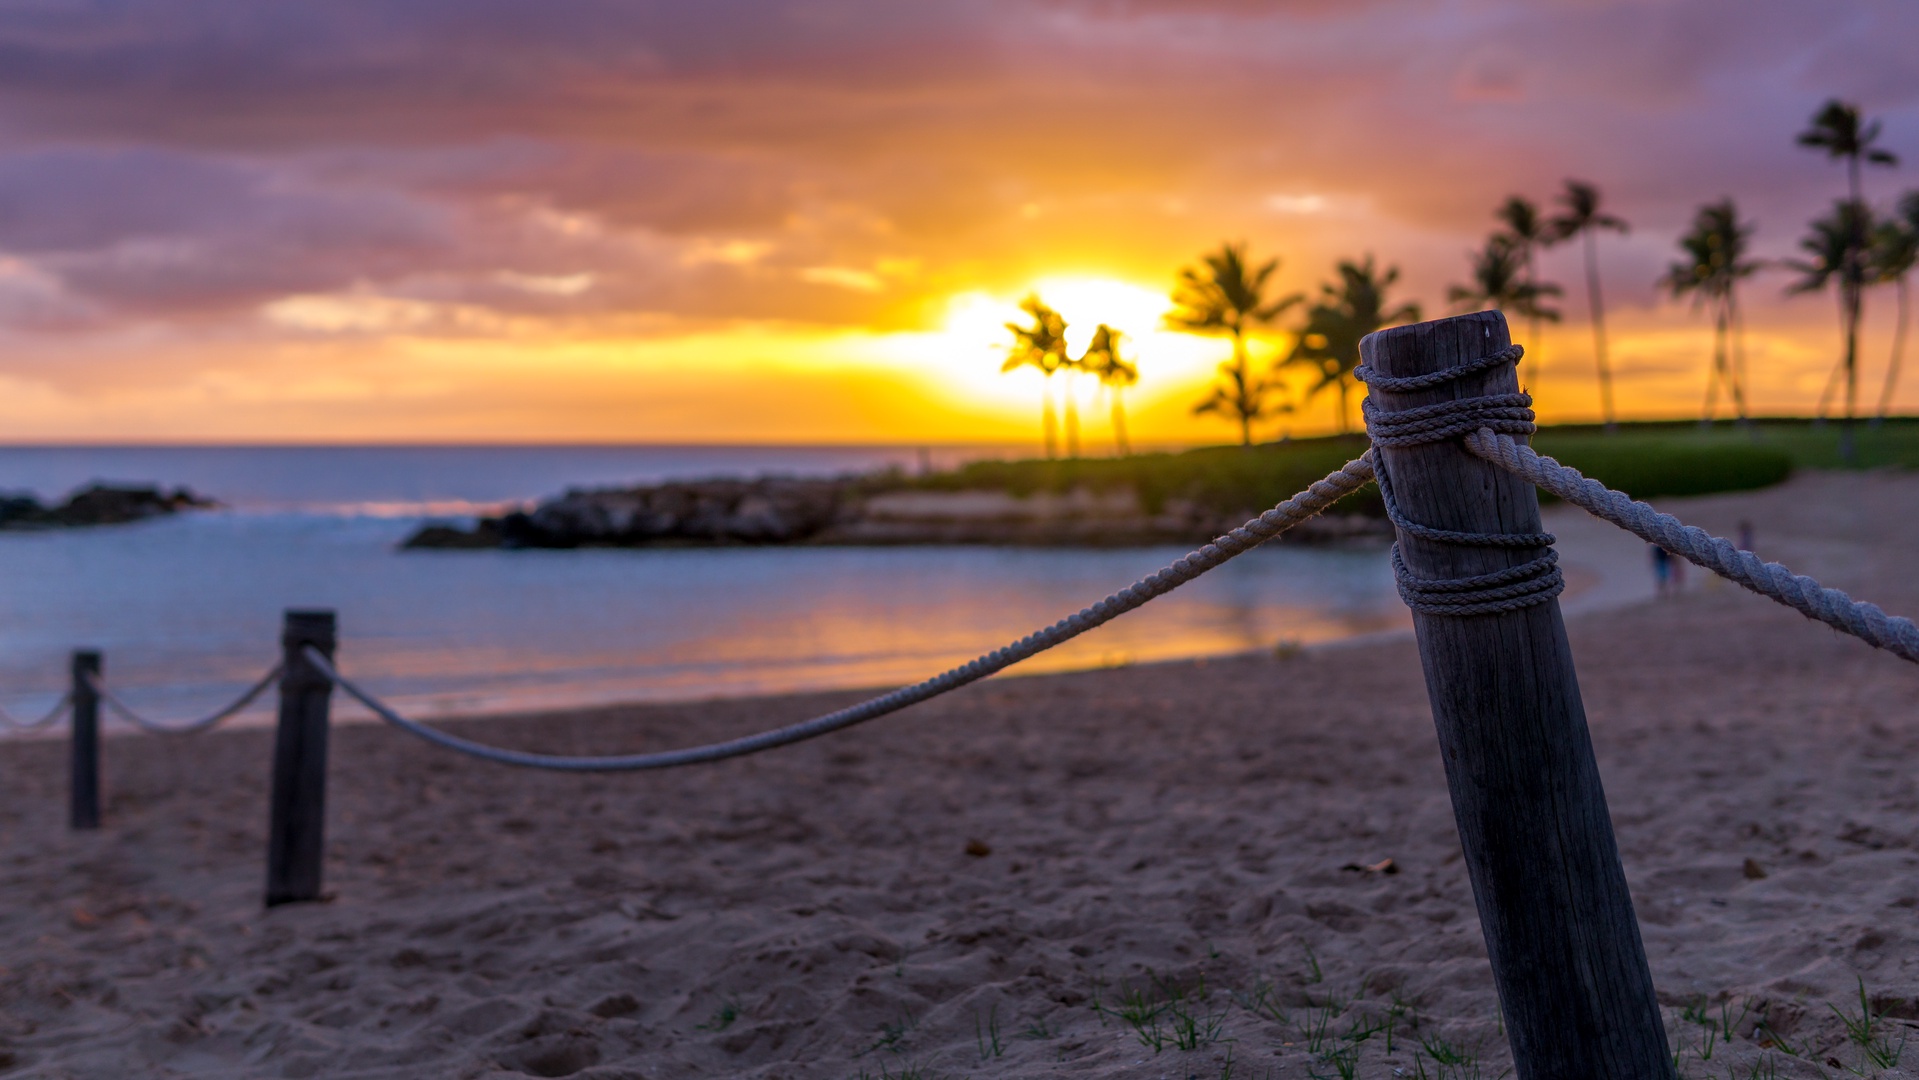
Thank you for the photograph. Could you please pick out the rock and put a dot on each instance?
(99, 504)
(865, 511)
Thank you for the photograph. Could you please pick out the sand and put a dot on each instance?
(978, 887)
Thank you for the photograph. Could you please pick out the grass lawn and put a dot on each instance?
(1645, 460)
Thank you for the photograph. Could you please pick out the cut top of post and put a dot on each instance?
(303, 629)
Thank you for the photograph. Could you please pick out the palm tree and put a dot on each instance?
(1347, 310)
(1500, 281)
(1238, 396)
(1834, 244)
(1224, 294)
(1529, 232)
(1840, 130)
(1715, 261)
(1895, 249)
(1581, 216)
(1041, 345)
(1837, 128)
(1103, 361)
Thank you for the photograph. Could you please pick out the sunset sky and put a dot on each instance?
(725, 221)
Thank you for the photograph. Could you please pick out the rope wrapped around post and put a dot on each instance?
(1524, 585)
(1343, 481)
(1865, 621)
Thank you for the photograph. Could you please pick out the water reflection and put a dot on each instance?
(187, 611)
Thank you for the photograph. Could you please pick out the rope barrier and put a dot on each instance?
(127, 713)
(1323, 493)
(59, 709)
(1862, 620)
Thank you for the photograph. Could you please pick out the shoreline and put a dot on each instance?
(1604, 567)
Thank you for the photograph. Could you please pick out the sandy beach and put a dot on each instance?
(1236, 868)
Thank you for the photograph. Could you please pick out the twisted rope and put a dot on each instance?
(126, 712)
(59, 709)
(1402, 384)
(1830, 606)
(1522, 586)
(1323, 493)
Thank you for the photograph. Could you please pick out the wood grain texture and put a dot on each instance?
(296, 821)
(83, 806)
(1538, 840)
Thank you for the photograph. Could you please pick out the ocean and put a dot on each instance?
(187, 609)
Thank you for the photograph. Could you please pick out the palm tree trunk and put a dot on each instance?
(1533, 344)
(1832, 384)
(1243, 402)
(1345, 421)
(1733, 381)
(1848, 452)
(1119, 425)
(1598, 310)
(1898, 354)
(1717, 373)
(1738, 325)
(1072, 418)
(1049, 423)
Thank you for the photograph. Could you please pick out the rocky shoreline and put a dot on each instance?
(98, 504)
(856, 511)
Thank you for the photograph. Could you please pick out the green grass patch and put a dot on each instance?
(1648, 460)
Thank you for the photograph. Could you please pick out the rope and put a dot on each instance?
(1511, 589)
(1402, 384)
(126, 712)
(1804, 595)
(1323, 493)
(9, 720)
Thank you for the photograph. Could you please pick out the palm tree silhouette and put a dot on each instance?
(1347, 310)
(1236, 395)
(1581, 216)
(1499, 281)
(1895, 248)
(1102, 360)
(1715, 261)
(1840, 130)
(1835, 246)
(1224, 294)
(1041, 345)
(1528, 233)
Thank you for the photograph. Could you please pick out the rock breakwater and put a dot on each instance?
(854, 511)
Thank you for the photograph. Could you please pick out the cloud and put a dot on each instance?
(461, 167)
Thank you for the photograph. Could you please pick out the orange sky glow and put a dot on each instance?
(807, 222)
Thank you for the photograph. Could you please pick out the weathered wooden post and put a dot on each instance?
(83, 805)
(296, 824)
(1565, 947)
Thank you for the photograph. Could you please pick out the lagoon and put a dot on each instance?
(187, 609)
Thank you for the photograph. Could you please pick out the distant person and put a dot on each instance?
(1745, 535)
(1661, 570)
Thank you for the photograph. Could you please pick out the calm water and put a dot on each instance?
(187, 609)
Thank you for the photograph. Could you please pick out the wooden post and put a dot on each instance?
(296, 825)
(1565, 947)
(83, 806)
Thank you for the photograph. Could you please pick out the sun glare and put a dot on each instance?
(964, 354)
